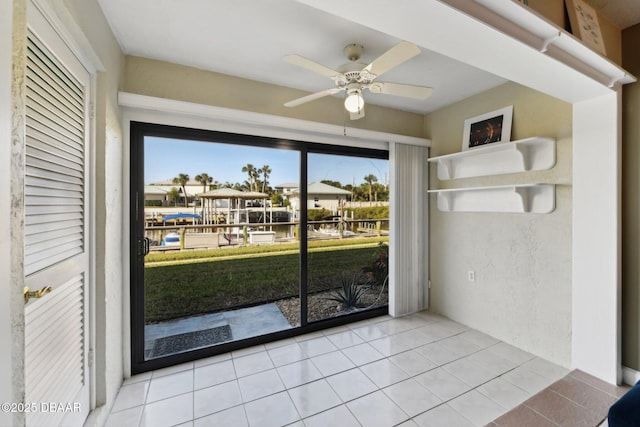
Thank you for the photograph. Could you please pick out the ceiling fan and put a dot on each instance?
(353, 77)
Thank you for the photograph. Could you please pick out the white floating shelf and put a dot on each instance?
(528, 198)
(531, 154)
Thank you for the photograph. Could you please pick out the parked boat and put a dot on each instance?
(171, 239)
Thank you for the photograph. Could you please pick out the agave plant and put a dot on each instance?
(349, 295)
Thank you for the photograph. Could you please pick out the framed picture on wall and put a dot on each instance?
(489, 128)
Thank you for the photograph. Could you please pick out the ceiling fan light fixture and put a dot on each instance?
(354, 101)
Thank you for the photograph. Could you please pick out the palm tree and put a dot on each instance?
(204, 179)
(174, 195)
(265, 171)
(182, 180)
(251, 173)
(370, 179)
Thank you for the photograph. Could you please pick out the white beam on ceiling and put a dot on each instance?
(477, 36)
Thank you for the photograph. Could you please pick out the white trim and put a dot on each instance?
(630, 376)
(179, 113)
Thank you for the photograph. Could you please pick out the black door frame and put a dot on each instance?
(140, 130)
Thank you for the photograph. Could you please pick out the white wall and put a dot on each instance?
(6, 366)
(596, 230)
(522, 262)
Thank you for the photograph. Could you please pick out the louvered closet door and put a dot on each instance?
(56, 230)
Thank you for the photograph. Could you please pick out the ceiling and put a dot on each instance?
(249, 38)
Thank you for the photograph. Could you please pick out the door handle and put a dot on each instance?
(35, 294)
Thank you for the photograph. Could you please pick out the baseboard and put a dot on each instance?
(630, 376)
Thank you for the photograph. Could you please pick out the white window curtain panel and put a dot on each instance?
(409, 240)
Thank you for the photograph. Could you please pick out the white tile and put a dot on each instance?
(527, 380)
(126, 418)
(187, 424)
(213, 359)
(414, 321)
(309, 336)
(247, 351)
(351, 384)
(287, 354)
(329, 417)
(412, 362)
(317, 346)
(377, 410)
(438, 354)
(546, 369)
(345, 339)
(168, 412)
(442, 416)
(411, 397)
(252, 363)
(478, 338)
(408, 423)
(393, 326)
(172, 370)
(510, 352)
(131, 395)
(413, 338)
(215, 373)
(216, 398)
(430, 317)
(496, 364)
(170, 385)
(390, 345)
(260, 385)
(362, 354)
(384, 373)
(436, 331)
(298, 373)
(442, 384)
(332, 363)
(503, 393)
(279, 343)
(475, 407)
(229, 417)
(313, 398)
(369, 332)
(454, 327)
(469, 372)
(336, 329)
(271, 411)
(459, 345)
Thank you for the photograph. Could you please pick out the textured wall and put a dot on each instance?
(522, 262)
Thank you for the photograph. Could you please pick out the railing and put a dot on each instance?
(217, 235)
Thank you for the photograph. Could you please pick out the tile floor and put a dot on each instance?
(420, 370)
(578, 399)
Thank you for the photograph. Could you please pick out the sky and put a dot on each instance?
(166, 158)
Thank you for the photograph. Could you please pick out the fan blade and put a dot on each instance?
(358, 115)
(312, 97)
(303, 62)
(395, 56)
(399, 89)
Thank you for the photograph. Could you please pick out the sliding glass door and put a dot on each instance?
(238, 239)
(347, 234)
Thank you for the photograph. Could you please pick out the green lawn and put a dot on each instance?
(180, 289)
